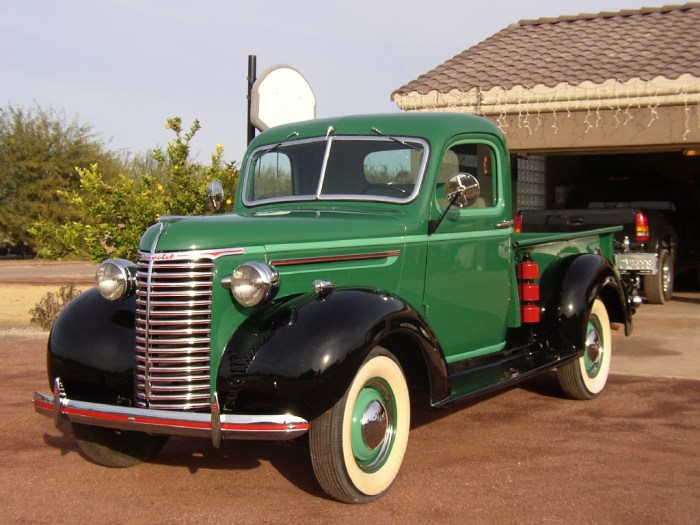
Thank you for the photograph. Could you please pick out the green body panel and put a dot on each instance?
(545, 248)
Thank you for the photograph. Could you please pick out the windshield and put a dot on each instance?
(346, 168)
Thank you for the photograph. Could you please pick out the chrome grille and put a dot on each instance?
(173, 322)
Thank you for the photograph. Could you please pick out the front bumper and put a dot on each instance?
(213, 425)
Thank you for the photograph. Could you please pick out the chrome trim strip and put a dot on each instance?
(191, 254)
(168, 422)
(336, 258)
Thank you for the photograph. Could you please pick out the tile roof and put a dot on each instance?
(645, 44)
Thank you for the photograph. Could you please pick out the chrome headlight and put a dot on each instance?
(254, 283)
(116, 279)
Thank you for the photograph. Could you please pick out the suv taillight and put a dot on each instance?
(641, 227)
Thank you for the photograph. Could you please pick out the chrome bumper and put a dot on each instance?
(167, 422)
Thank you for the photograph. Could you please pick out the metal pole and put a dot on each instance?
(251, 80)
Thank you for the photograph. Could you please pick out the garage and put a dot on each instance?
(584, 97)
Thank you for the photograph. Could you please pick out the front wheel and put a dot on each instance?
(585, 378)
(116, 448)
(358, 445)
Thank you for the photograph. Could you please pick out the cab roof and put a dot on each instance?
(434, 127)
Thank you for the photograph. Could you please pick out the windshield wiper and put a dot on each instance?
(402, 142)
(291, 135)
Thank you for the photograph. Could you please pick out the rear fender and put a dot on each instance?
(569, 288)
(301, 355)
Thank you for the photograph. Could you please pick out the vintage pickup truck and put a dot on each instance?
(367, 257)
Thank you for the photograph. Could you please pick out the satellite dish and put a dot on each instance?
(281, 95)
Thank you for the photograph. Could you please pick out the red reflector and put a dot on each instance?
(530, 313)
(528, 271)
(529, 292)
(518, 223)
(641, 227)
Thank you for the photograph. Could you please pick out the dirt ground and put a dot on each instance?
(526, 455)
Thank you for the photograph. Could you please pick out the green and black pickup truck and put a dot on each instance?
(367, 257)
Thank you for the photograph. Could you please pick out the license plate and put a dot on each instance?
(637, 262)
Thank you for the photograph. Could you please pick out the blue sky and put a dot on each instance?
(125, 66)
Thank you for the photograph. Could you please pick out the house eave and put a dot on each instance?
(612, 94)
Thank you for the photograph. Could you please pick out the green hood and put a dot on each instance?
(270, 228)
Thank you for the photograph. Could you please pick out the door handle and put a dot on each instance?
(504, 224)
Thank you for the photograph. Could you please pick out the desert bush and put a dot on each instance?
(45, 311)
(39, 153)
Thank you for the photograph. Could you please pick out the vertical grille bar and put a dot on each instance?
(173, 333)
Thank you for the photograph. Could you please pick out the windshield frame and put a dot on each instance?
(414, 143)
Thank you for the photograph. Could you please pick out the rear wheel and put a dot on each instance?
(585, 378)
(358, 445)
(116, 448)
(658, 288)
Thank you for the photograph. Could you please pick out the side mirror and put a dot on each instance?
(215, 196)
(462, 190)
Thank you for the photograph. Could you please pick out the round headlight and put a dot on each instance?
(116, 279)
(254, 283)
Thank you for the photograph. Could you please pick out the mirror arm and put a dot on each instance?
(433, 225)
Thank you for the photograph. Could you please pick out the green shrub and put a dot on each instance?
(45, 311)
(116, 211)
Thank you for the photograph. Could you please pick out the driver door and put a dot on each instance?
(467, 285)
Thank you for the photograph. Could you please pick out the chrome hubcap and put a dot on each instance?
(374, 425)
(593, 354)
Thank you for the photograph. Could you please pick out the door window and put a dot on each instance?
(478, 160)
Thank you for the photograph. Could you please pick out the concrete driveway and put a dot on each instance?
(665, 341)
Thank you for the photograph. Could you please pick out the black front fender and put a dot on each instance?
(91, 348)
(301, 355)
(569, 288)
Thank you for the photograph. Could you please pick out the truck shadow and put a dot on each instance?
(290, 458)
